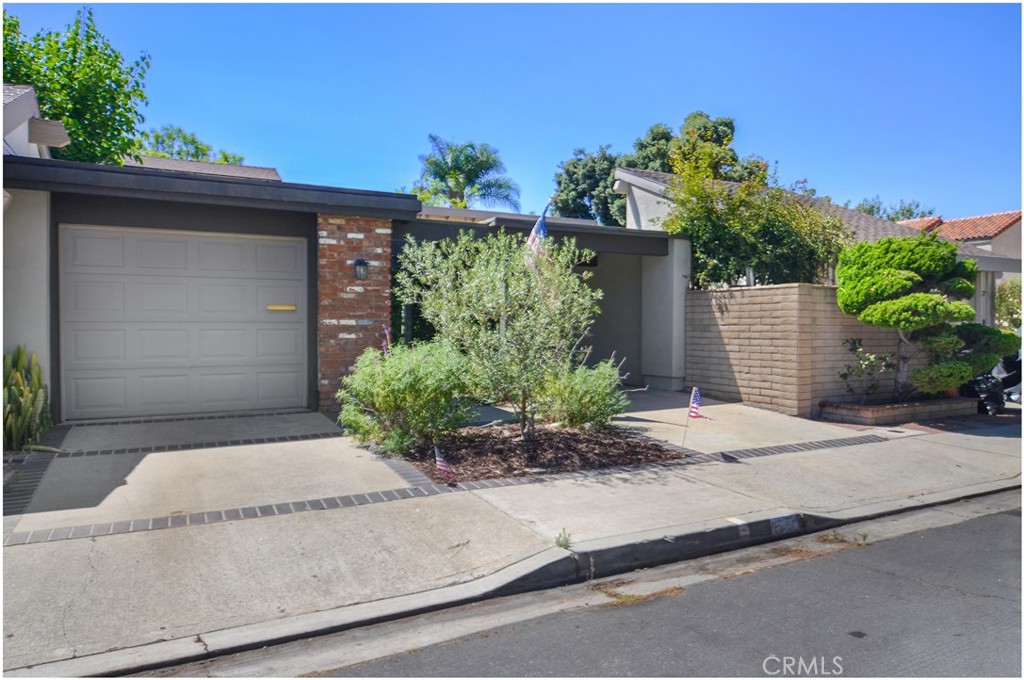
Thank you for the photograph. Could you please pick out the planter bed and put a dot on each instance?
(891, 414)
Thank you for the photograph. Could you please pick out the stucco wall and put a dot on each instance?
(1007, 244)
(780, 347)
(617, 328)
(645, 209)
(26, 248)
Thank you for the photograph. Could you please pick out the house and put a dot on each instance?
(780, 347)
(998, 233)
(26, 133)
(171, 288)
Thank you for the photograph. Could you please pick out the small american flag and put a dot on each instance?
(537, 234)
(442, 465)
(695, 405)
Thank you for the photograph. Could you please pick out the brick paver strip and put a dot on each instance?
(427, 488)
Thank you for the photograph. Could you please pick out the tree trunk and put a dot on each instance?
(903, 389)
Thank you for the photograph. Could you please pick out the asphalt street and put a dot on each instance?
(939, 602)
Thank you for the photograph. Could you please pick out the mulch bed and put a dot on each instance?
(496, 451)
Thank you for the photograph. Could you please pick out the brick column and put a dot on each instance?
(352, 314)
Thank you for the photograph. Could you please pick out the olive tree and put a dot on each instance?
(517, 316)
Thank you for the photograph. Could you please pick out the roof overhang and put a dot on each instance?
(588, 234)
(623, 176)
(19, 110)
(143, 183)
(994, 263)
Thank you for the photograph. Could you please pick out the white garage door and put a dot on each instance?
(156, 322)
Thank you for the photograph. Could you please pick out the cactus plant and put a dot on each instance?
(26, 401)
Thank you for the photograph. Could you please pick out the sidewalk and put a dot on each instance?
(390, 544)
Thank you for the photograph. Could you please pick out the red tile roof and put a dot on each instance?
(923, 223)
(982, 226)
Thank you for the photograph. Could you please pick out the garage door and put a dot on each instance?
(157, 322)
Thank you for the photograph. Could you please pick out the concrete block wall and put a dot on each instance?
(780, 347)
(352, 315)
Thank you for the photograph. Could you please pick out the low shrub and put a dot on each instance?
(26, 401)
(586, 395)
(404, 397)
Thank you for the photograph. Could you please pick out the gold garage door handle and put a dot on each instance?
(280, 308)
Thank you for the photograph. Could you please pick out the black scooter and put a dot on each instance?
(991, 391)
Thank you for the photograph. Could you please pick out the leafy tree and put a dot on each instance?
(517, 319)
(82, 81)
(904, 210)
(755, 223)
(911, 284)
(652, 151)
(584, 182)
(171, 141)
(707, 142)
(1008, 304)
(584, 188)
(458, 175)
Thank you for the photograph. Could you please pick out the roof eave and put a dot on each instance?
(624, 175)
(135, 182)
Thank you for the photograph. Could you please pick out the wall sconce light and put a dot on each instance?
(360, 269)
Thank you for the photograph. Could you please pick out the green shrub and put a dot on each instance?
(26, 401)
(939, 378)
(862, 377)
(1008, 304)
(405, 397)
(586, 395)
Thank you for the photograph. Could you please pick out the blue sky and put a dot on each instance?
(903, 101)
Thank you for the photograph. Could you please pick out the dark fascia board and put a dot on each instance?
(597, 238)
(132, 182)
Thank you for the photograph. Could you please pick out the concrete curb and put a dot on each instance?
(550, 568)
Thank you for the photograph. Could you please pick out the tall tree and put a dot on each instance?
(82, 81)
(904, 210)
(583, 188)
(584, 182)
(171, 141)
(458, 175)
(708, 142)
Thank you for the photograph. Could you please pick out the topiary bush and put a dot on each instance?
(26, 401)
(585, 395)
(405, 396)
(912, 285)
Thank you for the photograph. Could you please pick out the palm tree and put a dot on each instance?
(459, 174)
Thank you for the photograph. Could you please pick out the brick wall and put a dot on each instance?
(780, 347)
(352, 314)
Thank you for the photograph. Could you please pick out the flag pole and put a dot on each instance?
(686, 421)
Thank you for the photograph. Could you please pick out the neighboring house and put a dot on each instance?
(646, 207)
(998, 233)
(780, 347)
(26, 132)
(152, 292)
